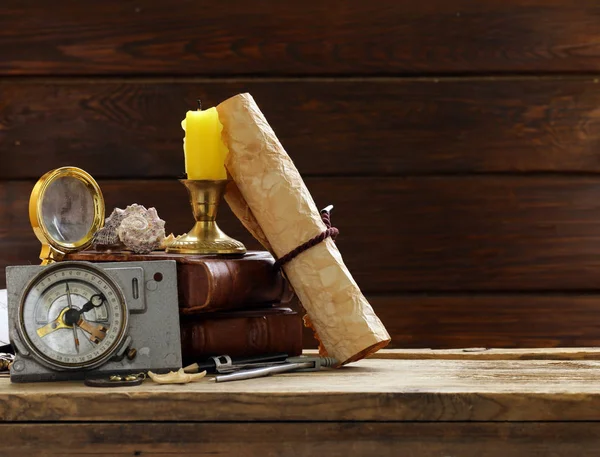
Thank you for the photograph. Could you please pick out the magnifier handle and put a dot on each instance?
(49, 255)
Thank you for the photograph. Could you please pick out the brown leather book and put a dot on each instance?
(241, 333)
(210, 283)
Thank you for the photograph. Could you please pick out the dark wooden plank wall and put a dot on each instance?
(459, 140)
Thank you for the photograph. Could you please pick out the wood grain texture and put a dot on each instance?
(376, 390)
(302, 439)
(131, 128)
(420, 234)
(495, 321)
(312, 37)
(559, 353)
(492, 321)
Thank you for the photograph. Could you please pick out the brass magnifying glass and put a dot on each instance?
(66, 209)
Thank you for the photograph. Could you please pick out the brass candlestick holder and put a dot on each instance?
(206, 237)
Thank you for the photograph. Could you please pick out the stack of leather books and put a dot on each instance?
(236, 306)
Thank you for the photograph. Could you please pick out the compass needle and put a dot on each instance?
(76, 338)
(74, 326)
(49, 328)
(97, 332)
(53, 326)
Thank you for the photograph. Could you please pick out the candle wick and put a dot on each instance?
(199, 104)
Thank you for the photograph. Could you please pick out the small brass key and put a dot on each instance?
(116, 380)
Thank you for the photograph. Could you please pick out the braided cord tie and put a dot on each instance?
(329, 232)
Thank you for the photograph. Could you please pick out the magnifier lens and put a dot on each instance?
(68, 209)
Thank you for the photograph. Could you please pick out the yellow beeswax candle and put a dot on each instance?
(204, 151)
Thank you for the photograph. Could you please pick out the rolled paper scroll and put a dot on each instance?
(270, 198)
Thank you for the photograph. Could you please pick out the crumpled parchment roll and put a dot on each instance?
(270, 198)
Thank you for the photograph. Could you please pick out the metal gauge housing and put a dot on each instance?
(78, 320)
(72, 316)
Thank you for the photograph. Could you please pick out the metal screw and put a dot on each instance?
(131, 353)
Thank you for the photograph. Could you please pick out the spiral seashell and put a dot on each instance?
(107, 236)
(141, 230)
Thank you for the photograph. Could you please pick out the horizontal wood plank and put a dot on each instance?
(132, 129)
(537, 353)
(493, 321)
(471, 321)
(375, 390)
(406, 235)
(499, 321)
(311, 37)
(301, 439)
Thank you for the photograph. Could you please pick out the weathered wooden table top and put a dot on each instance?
(376, 402)
(395, 386)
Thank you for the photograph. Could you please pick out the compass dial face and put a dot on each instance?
(73, 316)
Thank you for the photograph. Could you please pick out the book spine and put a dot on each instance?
(215, 286)
(241, 336)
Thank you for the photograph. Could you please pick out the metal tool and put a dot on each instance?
(226, 364)
(305, 363)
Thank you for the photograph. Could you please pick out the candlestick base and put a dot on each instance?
(206, 237)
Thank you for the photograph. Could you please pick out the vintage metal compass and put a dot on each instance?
(75, 320)
(66, 209)
(72, 316)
